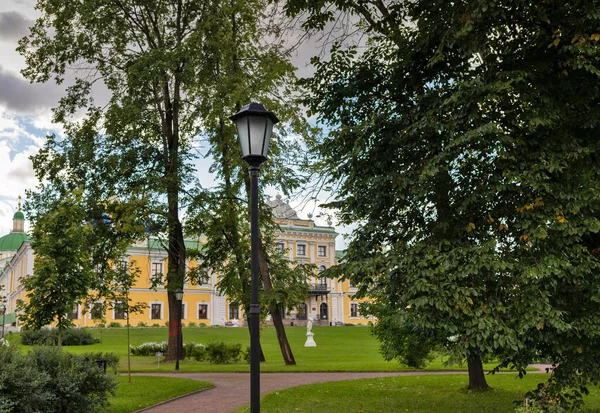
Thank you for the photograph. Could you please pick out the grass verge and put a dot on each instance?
(417, 394)
(147, 391)
(338, 349)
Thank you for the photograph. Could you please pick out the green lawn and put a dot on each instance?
(338, 349)
(419, 394)
(147, 391)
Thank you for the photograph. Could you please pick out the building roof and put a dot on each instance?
(13, 241)
(281, 209)
(19, 215)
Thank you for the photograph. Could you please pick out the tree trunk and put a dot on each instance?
(59, 343)
(274, 310)
(476, 375)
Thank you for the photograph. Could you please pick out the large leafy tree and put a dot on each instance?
(174, 71)
(464, 138)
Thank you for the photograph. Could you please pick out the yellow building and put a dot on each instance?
(329, 302)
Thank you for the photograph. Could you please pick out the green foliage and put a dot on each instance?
(49, 337)
(223, 353)
(62, 274)
(195, 351)
(463, 139)
(112, 360)
(46, 380)
(142, 324)
(114, 324)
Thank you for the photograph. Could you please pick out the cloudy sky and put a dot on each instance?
(25, 115)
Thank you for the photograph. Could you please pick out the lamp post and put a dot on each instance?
(254, 126)
(179, 298)
(3, 307)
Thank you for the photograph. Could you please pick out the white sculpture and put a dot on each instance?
(310, 341)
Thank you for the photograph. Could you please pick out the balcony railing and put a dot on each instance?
(318, 288)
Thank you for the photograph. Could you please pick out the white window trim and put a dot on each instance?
(185, 307)
(207, 311)
(162, 310)
(162, 267)
(114, 311)
(350, 310)
(305, 250)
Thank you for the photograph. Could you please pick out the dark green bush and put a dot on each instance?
(222, 353)
(112, 360)
(49, 381)
(114, 324)
(49, 337)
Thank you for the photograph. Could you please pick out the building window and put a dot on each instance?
(353, 310)
(234, 311)
(323, 282)
(322, 268)
(156, 271)
(119, 311)
(202, 311)
(322, 250)
(280, 247)
(184, 311)
(324, 311)
(300, 249)
(155, 310)
(74, 315)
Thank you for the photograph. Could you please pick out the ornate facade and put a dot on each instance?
(329, 301)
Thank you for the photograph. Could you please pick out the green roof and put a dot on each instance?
(160, 244)
(13, 241)
(9, 318)
(19, 215)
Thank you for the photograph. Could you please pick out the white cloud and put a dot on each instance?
(16, 170)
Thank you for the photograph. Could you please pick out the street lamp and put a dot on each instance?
(254, 126)
(179, 298)
(3, 307)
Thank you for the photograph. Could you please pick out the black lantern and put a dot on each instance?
(254, 127)
(179, 297)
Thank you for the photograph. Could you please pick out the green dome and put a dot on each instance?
(13, 241)
(19, 215)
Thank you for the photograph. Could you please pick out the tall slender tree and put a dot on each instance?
(62, 273)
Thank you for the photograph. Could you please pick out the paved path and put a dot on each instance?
(232, 390)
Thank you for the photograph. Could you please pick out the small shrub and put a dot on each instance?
(155, 325)
(222, 353)
(197, 352)
(49, 337)
(46, 380)
(112, 360)
(246, 355)
(182, 325)
(166, 324)
(192, 324)
(142, 324)
(114, 324)
(202, 325)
